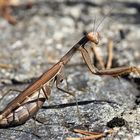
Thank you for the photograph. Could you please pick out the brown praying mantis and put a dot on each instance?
(30, 100)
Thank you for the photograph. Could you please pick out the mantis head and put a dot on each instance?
(93, 37)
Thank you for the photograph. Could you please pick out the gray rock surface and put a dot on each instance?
(42, 36)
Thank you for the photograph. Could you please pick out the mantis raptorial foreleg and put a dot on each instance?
(110, 54)
(98, 57)
(112, 72)
(87, 59)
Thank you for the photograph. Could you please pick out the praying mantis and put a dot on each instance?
(30, 100)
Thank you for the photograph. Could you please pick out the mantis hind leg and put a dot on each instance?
(87, 59)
